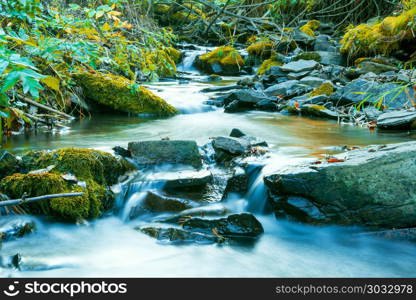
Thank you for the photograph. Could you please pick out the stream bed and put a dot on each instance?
(110, 247)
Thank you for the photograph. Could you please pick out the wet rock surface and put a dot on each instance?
(357, 190)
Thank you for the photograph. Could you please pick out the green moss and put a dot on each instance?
(382, 37)
(267, 64)
(85, 164)
(309, 56)
(226, 56)
(262, 49)
(325, 88)
(120, 94)
(310, 27)
(174, 54)
(67, 209)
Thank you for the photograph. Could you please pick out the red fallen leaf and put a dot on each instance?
(335, 160)
(296, 104)
(318, 162)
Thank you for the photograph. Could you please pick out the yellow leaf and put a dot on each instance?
(114, 13)
(51, 82)
(106, 27)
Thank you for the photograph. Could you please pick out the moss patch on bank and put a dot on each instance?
(121, 94)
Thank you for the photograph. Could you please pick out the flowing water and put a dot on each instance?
(111, 247)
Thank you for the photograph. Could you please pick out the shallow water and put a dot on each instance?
(111, 247)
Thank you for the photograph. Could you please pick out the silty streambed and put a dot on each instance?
(110, 247)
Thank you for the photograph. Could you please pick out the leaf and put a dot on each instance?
(106, 27)
(99, 14)
(10, 81)
(3, 66)
(51, 82)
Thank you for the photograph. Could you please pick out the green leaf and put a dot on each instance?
(10, 81)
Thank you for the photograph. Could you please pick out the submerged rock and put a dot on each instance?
(119, 93)
(358, 191)
(177, 235)
(15, 227)
(157, 202)
(166, 152)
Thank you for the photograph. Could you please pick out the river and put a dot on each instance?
(110, 247)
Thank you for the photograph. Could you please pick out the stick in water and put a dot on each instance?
(39, 198)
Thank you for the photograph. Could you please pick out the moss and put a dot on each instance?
(226, 57)
(120, 94)
(85, 164)
(325, 88)
(310, 27)
(174, 54)
(67, 209)
(267, 64)
(309, 56)
(382, 37)
(262, 49)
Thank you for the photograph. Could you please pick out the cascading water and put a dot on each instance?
(189, 57)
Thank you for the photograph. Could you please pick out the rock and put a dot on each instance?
(303, 39)
(156, 202)
(372, 113)
(9, 164)
(276, 71)
(248, 97)
(369, 66)
(166, 152)
(318, 111)
(177, 235)
(298, 209)
(237, 183)
(115, 92)
(222, 88)
(297, 76)
(395, 96)
(267, 105)
(300, 66)
(15, 227)
(235, 107)
(233, 146)
(360, 190)
(397, 120)
(224, 60)
(281, 88)
(312, 81)
(185, 178)
(122, 152)
(322, 43)
(331, 58)
(237, 133)
(11, 262)
(238, 225)
(213, 210)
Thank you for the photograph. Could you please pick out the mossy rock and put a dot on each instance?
(325, 88)
(64, 209)
(380, 37)
(268, 63)
(310, 27)
(85, 164)
(261, 49)
(224, 60)
(120, 94)
(309, 56)
(175, 54)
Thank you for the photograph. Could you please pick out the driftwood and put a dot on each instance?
(37, 119)
(44, 107)
(39, 198)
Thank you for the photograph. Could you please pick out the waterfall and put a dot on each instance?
(189, 56)
(256, 196)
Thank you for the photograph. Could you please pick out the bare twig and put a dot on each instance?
(39, 198)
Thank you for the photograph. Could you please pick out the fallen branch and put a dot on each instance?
(37, 119)
(34, 103)
(39, 198)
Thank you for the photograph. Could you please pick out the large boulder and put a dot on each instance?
(118, 93)
(371, 93)
(166, 152)
(244, 100)
(373, 187)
